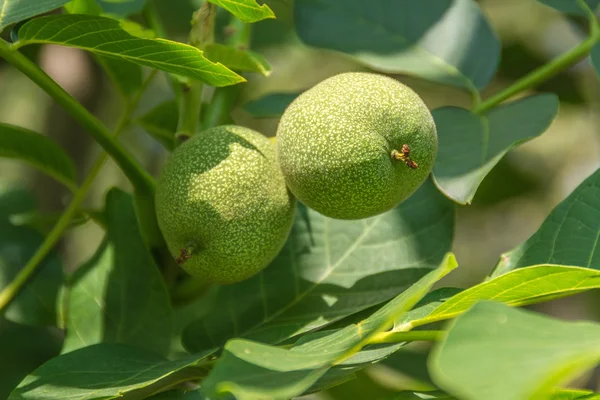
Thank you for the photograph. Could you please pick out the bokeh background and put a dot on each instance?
(510, 205)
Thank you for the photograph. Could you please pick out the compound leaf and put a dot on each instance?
(517, 288)
(250, 370)
(107, 37)
(330, 269)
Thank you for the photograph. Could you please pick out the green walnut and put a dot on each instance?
(222, 204)
(356, 145)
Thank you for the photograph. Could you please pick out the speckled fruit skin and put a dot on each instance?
(222, 194)
(335, 143)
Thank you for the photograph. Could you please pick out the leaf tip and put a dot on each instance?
(449, 262)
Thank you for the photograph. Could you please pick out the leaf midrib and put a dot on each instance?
(184, 47)
(327, 272)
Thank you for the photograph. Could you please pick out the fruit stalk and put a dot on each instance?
(550, 69)
(201, 35)
(224, 98)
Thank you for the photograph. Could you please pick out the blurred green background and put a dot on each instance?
(509, 206)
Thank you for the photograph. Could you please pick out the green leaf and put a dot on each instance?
(119, 296)
(572, 394)
(251, 370)
(570, 6)
(122, 8)
(106, 371)
(127, 76)
(362, 386)
(429, 303)
(494, 352)
(89, 7)
(12, 11)
(386, 353)
(445, 41)
(161, 123)
(238, 59)
(15, 200)
(179, 395)
(347, 369)
(471, 145)
(23, 349)
(330, 269)
(37, 302)
(39, 151)
(270, 106)
(106, 37)
(524, 286)
(568, 236)
(246, 10)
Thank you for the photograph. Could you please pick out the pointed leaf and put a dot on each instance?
(471, 145)
(12, 11)
(37, 302)
(445, 41)
(494, 352)
(329, 269)
(246, 10)
(270, 106)
(106, 37)
(238, 59)
(161, 123)
(520, 287)
(568, 236)
(570, 6)
(251, 370)
(119, 296)
(106, 371)
(38, 150)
